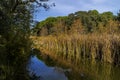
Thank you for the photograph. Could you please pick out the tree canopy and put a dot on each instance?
(90, 21)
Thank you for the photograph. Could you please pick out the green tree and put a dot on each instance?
(15, 20)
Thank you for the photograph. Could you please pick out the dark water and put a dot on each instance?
(44, 72)
(89, 71)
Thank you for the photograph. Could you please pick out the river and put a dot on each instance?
(38, 67)
(44, 72)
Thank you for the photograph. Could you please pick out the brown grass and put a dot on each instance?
(76, 47)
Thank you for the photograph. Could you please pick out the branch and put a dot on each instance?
(15, 6)
(38, 2)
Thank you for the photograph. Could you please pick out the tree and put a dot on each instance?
(118, 16)
(15, 20)
(77, 27)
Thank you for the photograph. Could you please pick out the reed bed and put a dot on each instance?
(76, 47)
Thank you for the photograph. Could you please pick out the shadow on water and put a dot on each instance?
(39, 65)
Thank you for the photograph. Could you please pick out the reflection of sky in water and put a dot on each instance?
(46, 73)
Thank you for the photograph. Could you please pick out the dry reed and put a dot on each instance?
(76, 47)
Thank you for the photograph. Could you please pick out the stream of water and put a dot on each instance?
(39, 68)
(44, 72)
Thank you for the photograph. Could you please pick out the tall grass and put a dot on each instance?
(76, 47)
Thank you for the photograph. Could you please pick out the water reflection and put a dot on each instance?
(39, 68)
(86, 69)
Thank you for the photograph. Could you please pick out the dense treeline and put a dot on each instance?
(80, 22)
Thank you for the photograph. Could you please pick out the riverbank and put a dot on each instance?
(91, 55)
(73, 72)
(83, 71)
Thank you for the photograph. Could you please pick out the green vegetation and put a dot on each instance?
(15, 22)
(81, 22)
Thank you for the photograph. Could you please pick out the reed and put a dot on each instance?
(76, 47)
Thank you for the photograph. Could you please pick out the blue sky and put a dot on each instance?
(65, 7)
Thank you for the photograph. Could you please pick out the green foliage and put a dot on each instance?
(15, 22)
(15, 43)
(92, 20)
(93, 12)
(118, 16)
